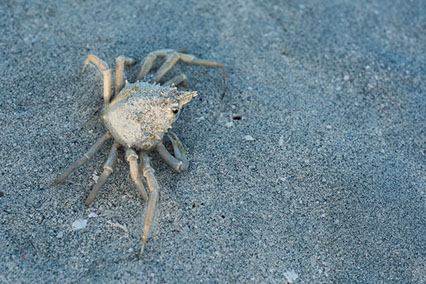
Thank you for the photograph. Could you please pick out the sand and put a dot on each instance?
(310, 168)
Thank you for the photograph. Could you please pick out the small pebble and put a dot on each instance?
(79, 224)
(92, 215)
(229, 124)
(291, 276)
(95, 177)
(248, 138)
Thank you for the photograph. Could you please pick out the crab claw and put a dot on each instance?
(179, 150)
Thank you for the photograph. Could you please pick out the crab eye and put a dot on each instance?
(175, 110)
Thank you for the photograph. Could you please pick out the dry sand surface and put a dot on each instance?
(310, 168)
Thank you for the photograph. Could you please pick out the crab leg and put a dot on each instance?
(191, 59)
(106, 72)
(149, 61)
(179, 163)
(180, 79)
(148, 173)
(120, 63)
(86, 157)
(171, 60)
(174, 57)
(108, 169)
(132, 158)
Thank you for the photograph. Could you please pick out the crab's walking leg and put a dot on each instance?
(106, 72)
(171, 60)
(148, 173)
(86, 157)
(108, 169)
(174, 57)
(120, 62)
(132, 158)
(149, 61)
(189, 58)
(180, 79)
(179, 162)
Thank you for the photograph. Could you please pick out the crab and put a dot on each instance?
(137, 119)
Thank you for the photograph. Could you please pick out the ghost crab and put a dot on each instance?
(137, 119)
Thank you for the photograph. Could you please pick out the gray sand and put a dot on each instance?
(330, 189)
